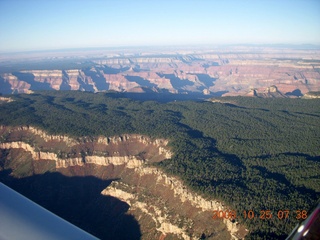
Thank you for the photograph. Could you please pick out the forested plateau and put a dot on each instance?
(252, 154)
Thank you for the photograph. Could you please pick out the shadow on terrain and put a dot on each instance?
(232, 159)
(65, 80)
(206, 79)
(110, 70)
(300, 113)
(5, 87)
(142, 82)
(272, 175)
(206, 65)
(137, 68)
(242, 107)
(308, 157)
(219, 93)
(78, 200)
(29, 78)
(295, 154)
(176, 82)
(160, 97)
(84, 86)
(281, 178)
(98, 78)
(308, 114)
(295, 93)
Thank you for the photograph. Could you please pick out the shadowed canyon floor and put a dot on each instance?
(108, 186)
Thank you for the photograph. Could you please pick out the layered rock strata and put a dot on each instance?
(233, 73)
(130, 161)
(180, 194)
(150, 192)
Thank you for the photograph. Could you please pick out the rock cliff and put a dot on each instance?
(162, 223)
(180, 193)
(233, 73)
(163, 203)
(129, 161)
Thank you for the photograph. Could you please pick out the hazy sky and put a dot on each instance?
(56, 24)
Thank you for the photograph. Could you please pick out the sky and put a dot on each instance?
(27, 25)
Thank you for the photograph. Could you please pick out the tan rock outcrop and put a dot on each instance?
(52, 77)
(181, 194)
(163, 224)
(17, 85)
(311, 95)
(184, 194)
(6, 99)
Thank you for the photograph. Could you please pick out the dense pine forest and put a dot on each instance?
(251, 153)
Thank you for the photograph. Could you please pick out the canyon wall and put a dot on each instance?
(162, 201)
(180, 193)
(293, 72)
(129, 161)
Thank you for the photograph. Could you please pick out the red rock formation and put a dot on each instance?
(237, 72)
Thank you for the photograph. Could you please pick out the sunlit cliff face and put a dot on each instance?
(294, 73)
(161, 204)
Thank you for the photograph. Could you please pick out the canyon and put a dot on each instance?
(163, 206)
(126, 169)
(233, 71)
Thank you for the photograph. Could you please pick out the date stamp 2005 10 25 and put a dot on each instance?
(262, 214)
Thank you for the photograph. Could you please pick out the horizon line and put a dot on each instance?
(277, 45)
